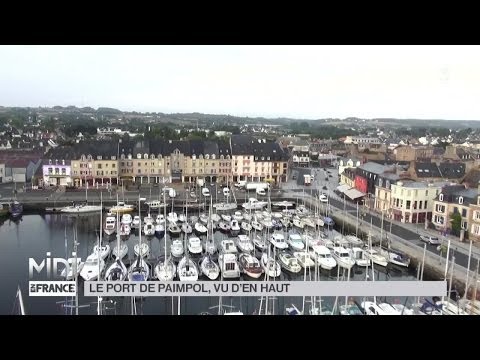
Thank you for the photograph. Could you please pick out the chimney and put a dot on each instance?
(63, 162)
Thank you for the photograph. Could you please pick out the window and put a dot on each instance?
(152, 157)
(113, 166)
(64, 171)
(440, 197)
(380, 182)
(464, 225)
(122, 156)
(464, 212)
(425, 204)
(50, 170)
(438, 219)
(475, 229)
(139, 171)
(476, 215)
(146, 164)
(426, 192)
(139, 156)
(145, 156)
(408, 204)
(455, 210)
(213, 156)
(139, 164)
(460, 200)
(99, 157)
(57, 171)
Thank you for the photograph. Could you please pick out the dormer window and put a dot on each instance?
(152, 157)
(99, 157)
(89, 157)
(268, 157)
(228, 157)
(460, 200)
(145, 156)
(200, 156)
(380, 182)
(129, 156)
(122, 156)
(213, 156)
(207, 156)
(113, 158)
(159, 156)
(440, 197)
(221, 157)
(194, 157)
(139, 156)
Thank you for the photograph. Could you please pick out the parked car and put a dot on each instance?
(432, 240)
(323, 198)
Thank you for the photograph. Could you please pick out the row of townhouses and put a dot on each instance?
(176, 161)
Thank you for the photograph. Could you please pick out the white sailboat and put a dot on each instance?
(210, 268)
(244, 244)
(375, 257)
(177, 248)
(295, 242)
(360, 257)
(200, 229)
(246, 227)
(166, 269)
(139, 270)
(92, 267)
(121, 250)
(127, 219)
(110, 224)
(270, 266)
(234, 227)
(187, 270)
(148, 226)
(324, 257)
(194, 245)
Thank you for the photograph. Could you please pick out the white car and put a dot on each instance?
(205, 192)
(226, 192)
(432, 240)
(261, 192)
(323, 198)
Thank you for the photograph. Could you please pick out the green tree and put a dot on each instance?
(456, 223)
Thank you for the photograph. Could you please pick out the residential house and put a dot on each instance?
(474, 218)
(383, 191)
(471, 179)
(56, 173)
(366, 177)
(413, 153)
(2, 172)
(20, 170)
(347, 177)
(348, 162)
(453, 199)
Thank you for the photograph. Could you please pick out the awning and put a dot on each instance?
(354, 194)
(342, 188)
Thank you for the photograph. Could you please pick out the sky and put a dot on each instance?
(304, 82)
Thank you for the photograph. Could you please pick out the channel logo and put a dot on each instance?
(52, 288)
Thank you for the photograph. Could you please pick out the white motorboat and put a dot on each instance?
(182, 218)
(210, 268)
(324, 257)
(177, 248)
(353, 240)
(144, 251)
(277, 215)
(225, 206)
(187, 270)
(121, 208)
(187, 228)
(119, 252)
(283, 204)
(81, 209)
(254, 204)
(376, 257)
(270, 266)
(372, 308)
(360, 257)
(173, 229)
(234, 227)
(247, 217)
(343, 258)
(148, 227)
(298, 222)
(91, 268)
(286, 222)
(194, 245)
(126, 219)
(110, 225)
(295, 242)
(318, 221)
(104, 250)
(350, 309)
(228, 247)
(257, 226)
(226, 217)
(215, 218)
(238, 216)
(204, 219)
(200, 229)
(125, 230)
(260, 243)
(244, 244)
(278, 241)
(246, 226)
(289, 263)
(71, 273)
(250, 265)
(165, 270)
(267, 222)
(395, 257)
(229, 265)
(116, 272)
(309, 222)
(223, 226)
(172, 217)
(304, 259)
(136, 222)
(155, 204)
(160, 219)
(139, 270)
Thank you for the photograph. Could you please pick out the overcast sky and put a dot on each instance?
(425, 82)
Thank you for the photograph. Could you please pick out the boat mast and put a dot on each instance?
(20, 300)
(118, 231)
(468, 270)
(446, 267)
(165, 227)
(99, 300)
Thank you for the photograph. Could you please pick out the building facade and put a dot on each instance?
(383, 191)
(344, 163)
(56, 173)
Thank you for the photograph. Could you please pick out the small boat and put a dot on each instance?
(376, 257)
(250, 265)
(177, 248)
(194, 245)
(257, 226)
(304, 259)
(278, 241)
(110, 225)
(254, 204)
(119, 252)
(91, 268)
(160, 219)
(244, 244)
(80, 209)
(360, 257)
(136, 222)
(228, 247)
(277, 224)
(143, 252)
(225, 206)
(200, 229)
(267, 222)
(139, 270)
(165, 270)
(173, 229)
(160, 230)
(286, 222)
(343, 258)
(125, 229)
(126, 219)
(210, 247)
(247, 216)
(309, 222)
(298, 222)
(223, 226)
(246, 226)
(187, 228)
(204, 219)
(229, 265)
(277, 215)
(328, 221)
(238, 216)
(187, 270)
(270, 266)
(396, 257)
(210, 268)
(148, 226)
(121, 208)
(182, 218)
(226, 217)
(155, 204)
(71, 272)
(172, 217)
(283, 204)
(234, 227)
(302, 210)
(116, 272)
(295, 242)
(319, 222)
(289, 263)
(372, 308)
(324, 257)
(104, 250)
(260, 243)
(350, 309)
(215, 217)
(355, 241)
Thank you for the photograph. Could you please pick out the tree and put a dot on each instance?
(456, 223)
